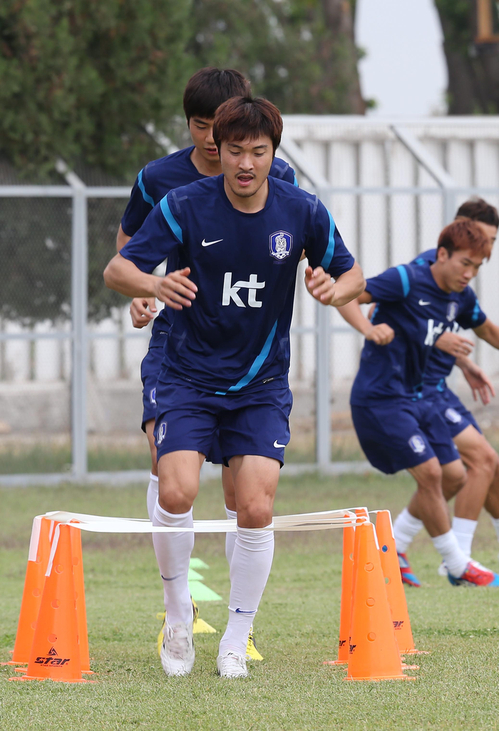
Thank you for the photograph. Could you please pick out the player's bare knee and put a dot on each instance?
(453, 479)
(254, 515)
(429, 476)
(176, 499)
(489, 460)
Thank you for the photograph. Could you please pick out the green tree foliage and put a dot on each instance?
(298, 53)
(79, 78)
(35, 251)
(473, 69)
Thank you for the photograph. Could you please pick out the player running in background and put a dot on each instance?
(205, 91)
(481, 460)
(398, 423)
(239, 239)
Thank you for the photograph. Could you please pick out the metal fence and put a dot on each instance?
(390, 187)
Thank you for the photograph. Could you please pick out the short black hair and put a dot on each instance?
(210, 87)
(479, 210)
(243, 118)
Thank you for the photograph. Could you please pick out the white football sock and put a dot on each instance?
(249, 571)
(406, 526)
(448, 548)
(495, 523)
(173, 553)
(230, 538)
(152, 494)
(464, 530)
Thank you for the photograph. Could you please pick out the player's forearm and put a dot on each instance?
(123, 276)
(352, 314)
(348, 286)
(489, 332)
(464, 363)
(121, 239)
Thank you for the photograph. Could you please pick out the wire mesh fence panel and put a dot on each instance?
(35, 331)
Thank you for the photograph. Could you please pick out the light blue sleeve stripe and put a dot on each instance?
(145, 195)
(476, 312)
(295, 182)
(257, 364)
(165, 208)
(405, 280)
(327, 258)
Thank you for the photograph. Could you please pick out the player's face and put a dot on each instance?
(246, 165)
(201, 130)
(459, 269)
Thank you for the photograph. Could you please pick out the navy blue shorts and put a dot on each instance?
(397, 435)
(149, 371)
(456, 415)
(247, 423)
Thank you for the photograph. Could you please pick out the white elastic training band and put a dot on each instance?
(325, 520)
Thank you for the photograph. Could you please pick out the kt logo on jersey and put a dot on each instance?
(280, 244)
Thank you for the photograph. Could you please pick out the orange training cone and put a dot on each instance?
(394, 587)
(81, 611)
(373, 652)
(346, 595)
(38, 556)
(55, 653)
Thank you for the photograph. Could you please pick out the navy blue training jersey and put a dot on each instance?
(236, 334)
(410, 301)
(439, 363)
(153, 182)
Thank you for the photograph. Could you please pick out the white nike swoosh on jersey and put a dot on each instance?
(209, 243)
(423, 303)
(278, 446)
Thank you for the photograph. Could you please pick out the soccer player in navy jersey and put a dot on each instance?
(481, 460)
(239, 238)
(205, 91)
(398, 423)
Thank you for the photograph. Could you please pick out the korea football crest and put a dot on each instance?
(280, 244)
(452, 309)
(453, 416)
(417, 444)
(161, 433)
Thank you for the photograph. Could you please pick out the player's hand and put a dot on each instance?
(479, 382)
(381, 334)
(176, 290)
(320, 285)
(142, 311)
(454, 344)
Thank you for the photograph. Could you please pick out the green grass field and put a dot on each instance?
(296, 627)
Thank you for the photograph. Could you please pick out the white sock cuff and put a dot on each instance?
(464, 525)
(179, 520)
(231, 514)
(153, 478)
(412, 522)
(442, 541)
(255, 539)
